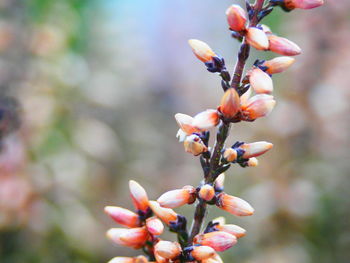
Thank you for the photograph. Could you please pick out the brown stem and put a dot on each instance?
(224, 127)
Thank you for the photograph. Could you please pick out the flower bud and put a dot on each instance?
(206, 120)
(219, 182)
(283, 46)
(260, 81)
(257, 38)
(185, 123)
(123, 216)
(219, 220)
(234, 205)
(253, 162)
(141, 259)
(154, 226)
(230, 154)
(193, 144)
(201, 50)
(202, 252)
(278, 65)
(166, 214)
(121, 260)
(207, 192)
(133, 237)
(235, 230)
(236, 18)
(138, 195)
(214, 259)
(245, 97)
(178, 197)
(258, 106)
(302, 4)
(167, 249)
(230, 103)
(218, 240)
(255, 149)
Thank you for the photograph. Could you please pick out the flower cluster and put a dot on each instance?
(246, 98)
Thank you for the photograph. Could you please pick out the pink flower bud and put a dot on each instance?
(258, 106)
(167, 215)
(138, 195)
(202, 252)
(154, 226)
(255, 149)
(302, 4)
(178, 197)
(214, 259)
(230, 103)
(236, 18)
(230, 154)
(218, 240)
(235, 230)
(133, 237)
(201, 50)
(219, 182)
(234, 205)
(207, 192)
(278, 65)
(121, 260)
(253, 162)
(260, 81)
(283, 46)
(193, 144)
(245, 97)
(167, 249)
(266, 29)
(206, 120)
(123, 216)
(257, 38)
(185, 123)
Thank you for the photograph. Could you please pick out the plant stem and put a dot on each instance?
(224, 127)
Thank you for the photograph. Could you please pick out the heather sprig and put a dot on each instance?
(247, 97)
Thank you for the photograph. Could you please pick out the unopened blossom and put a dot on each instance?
(230, 103)
(194, 144)
(257, 38)
(219, 182)
(138, 195)
(278, 64)
(258, 106)
(236, 18)
(234, 205)
(214, 259)
(283, 46)
(207, 192)
(230, 154)
(206, 120)
(235, 230)
(167, 249)
(122, 260)
(177, 197)
(185, 123)
(218, 240)
(260, 81)
(302, 4)
(255, 149)
(167, 215)
(133, 237)
(253, 162)
(154, 226)
(202, 252)
(123, 216)
(201, 50)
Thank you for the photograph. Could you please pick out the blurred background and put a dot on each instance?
(88, 90)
